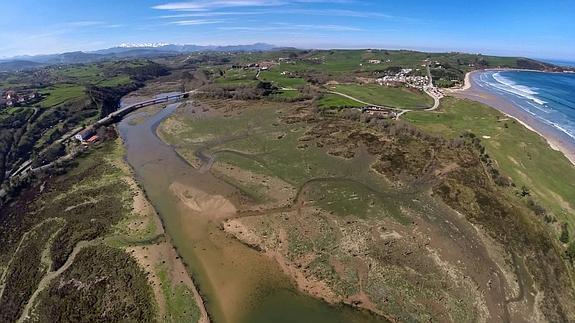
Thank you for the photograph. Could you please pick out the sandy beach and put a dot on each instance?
(556, 139)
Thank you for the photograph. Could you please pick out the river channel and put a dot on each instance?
(237, 283)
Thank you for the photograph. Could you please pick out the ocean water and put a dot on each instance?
(559, 62)
(548, 97)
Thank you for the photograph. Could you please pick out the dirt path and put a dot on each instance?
(53, 274)
(399, 114)
(3, 277)
(363, 102)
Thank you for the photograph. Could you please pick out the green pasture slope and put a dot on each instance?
(402, 98)
(520, 153)
(61, 93)
(342, 61)
(237, 77)
(330, 100)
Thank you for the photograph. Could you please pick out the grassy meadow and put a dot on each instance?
(330, 100)
(402, 98)
(61, 93)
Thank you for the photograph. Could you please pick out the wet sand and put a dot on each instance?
(556, 139)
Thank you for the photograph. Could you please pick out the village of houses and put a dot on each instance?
(407, 77)
(13, 98)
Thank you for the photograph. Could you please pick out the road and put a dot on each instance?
(119, 114)
(432, 91)
(429, 89)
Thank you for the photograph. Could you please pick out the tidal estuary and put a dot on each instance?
(237, 283)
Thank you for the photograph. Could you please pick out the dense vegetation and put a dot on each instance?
(26, 270)
(87, 201)
(102, 285)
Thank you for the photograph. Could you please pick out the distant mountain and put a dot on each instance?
(172, 48)
(122, 51)
(16, 65)
(64, 58)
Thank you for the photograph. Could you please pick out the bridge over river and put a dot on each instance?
(114, 117)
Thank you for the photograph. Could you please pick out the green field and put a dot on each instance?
(256, 141)
(61, 93)
(520, 153)
(238, 77)
(281, 81)
(287, 95)
(402, 98)
(346, 61)
(89, 73)
(116, 81)
(335, 101)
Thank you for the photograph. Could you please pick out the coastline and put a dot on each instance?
(556, 139)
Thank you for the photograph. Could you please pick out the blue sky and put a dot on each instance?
(541, 29)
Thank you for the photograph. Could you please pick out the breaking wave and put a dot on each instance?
(545, 97)
(505, 84)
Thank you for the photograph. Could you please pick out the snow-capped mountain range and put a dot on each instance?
(143, 45)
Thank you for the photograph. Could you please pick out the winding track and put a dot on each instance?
(22, 240)
(48, 277)
(429, 89)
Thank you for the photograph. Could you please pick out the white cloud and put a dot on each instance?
(214, 14)
(204, 5)
(194, 22)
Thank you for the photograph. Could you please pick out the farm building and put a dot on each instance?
(85, 134)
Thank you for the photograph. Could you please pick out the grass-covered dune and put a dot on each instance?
(538, 171)
(82, 205)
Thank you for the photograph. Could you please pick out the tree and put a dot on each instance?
(266, 88)
(524, 191)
